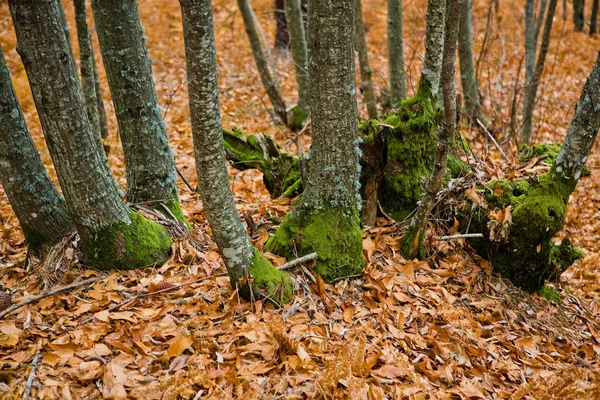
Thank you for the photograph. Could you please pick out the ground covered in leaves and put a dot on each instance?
(442, 328)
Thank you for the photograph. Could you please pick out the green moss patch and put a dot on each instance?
(550, 294)
(139, 244)
(333, 234)
(269, 282)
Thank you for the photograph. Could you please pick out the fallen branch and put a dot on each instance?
(48, 294)
(492, 139)
(460, 236)
(29, 383)
(299, 261)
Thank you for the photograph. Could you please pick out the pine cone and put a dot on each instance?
(5, 300)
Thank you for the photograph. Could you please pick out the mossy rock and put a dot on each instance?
(333, 234)
(141, 243)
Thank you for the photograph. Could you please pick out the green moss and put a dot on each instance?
(138, 244)
(174, 210)
(457, 168)
(501, 193)
(269, 282)
(548, 150)
(298, 119)
(550, 294)
(333, 234)
(409, 242)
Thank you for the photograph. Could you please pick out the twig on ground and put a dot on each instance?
(299, 261)
(184, 180)
(492, 139)
(460, 236)
(29, 383)
(48, 294)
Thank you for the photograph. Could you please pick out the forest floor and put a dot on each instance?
(442, 328)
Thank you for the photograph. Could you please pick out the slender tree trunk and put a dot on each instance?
(113, 237)
(282, 35)
(434, 44)
(530, 40)
(594, 18)
(325, 219)
(579, 15)
(244, 263)
(360, 42)
(532, 86)
(412, 245)
(396, 53)
(293, 13)
(262, 65)
(150, 166)
(65, 26)
(100, 100)
(41, 211)
(467, 69)
(88, 81)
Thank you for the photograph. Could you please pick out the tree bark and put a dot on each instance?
(100, 100)
(246, 266)
(41, 211)
(434, 44)
(412, 244)
(579, 15)
(112, 236)
(150, 166)
(282, 34)
(594, 18)
(396, 53)
(532, 85)
(65, 26)
(363, 59)
(262, 65)
(467, 69)
(325, 219)
(298, 47)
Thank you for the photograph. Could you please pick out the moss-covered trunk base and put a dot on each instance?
(268, 282)
(333, 234)
(139, 244)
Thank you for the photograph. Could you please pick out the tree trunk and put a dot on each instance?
(112, 236)
(594, 18)
(65, 26)
(150, 166)
(363, 59)
(88, 81)
(434, 44)
(412, 244)
(579, 15)
(293, 13)
(282, 35)
(245, 264)
(325, 219)
(100, 100)
(467, 69)
(41, 211)
(532, 85)
(396, 53)
(262, 65)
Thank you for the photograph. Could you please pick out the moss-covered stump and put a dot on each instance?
(281, 173)
(518, 231)
(333, 234)
(139, 244)
(268, 282)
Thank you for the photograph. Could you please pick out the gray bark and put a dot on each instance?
(363, 59)
(213, 181)
(89, 193)
(467, 69)
(396, 53)
(533, 84)
(298, 47)
(583, 129)
(579, 15)
(150, 166)
(41, 211)
(434, 43)
(262, 65)
(594, 18)
(65, 26)
(417, 228)
(282, 36)
(100, 100)
(530, 40)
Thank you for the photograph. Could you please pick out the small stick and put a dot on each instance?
(492, 138)
(184, 180)
(460, 236)
(299, 261)
(29, 383)
(48, 294)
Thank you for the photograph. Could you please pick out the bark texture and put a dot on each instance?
(113, 237)
(299, 50)
(594, 18)
(396, 53)
(412, 244)
(246, 266)
(282, 35)
(100, 100)
(579, 15)
(262, 65)
(467, 69)
(325, 219)
(434, 43)
(150, 166)
(41, 211)
(363, 59)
